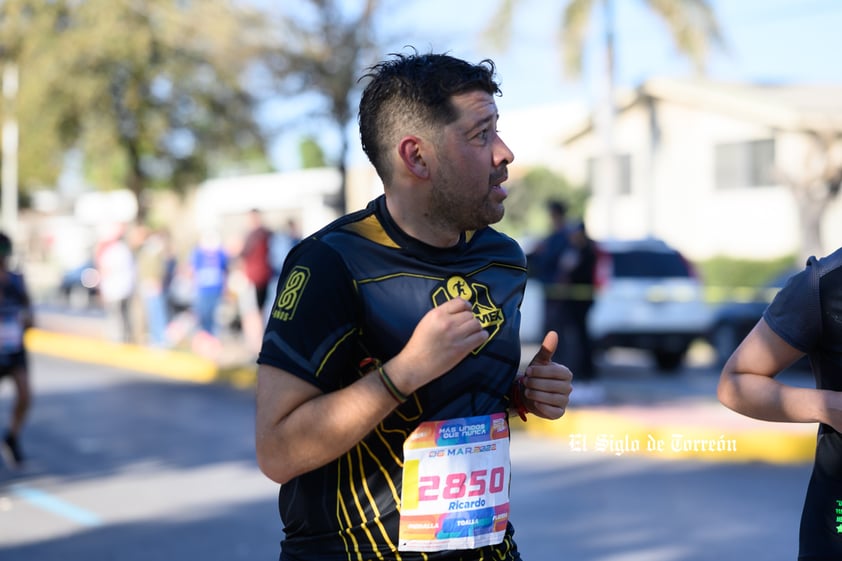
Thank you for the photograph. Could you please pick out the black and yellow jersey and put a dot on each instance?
(357, 289)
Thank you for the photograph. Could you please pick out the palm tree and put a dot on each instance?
(692, 25)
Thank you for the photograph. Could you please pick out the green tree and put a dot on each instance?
(320, 48)
(27, 32)
(153, 93)
(529, 195)
(311, 153)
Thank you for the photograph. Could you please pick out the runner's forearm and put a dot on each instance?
(321, 428)
(767, 399)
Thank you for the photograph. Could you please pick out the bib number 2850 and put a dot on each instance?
(460, 485)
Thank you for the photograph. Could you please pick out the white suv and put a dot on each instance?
(647, 296)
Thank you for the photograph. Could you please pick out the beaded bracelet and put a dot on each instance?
(399, 396)
(517, 399)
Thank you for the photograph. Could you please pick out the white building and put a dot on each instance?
(699, 165)
(304, 195)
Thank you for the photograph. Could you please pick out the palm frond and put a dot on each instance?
(573, 31)
(498, 32)
(693, 26)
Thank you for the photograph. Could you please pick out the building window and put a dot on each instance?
(623, 162)
(745, 164)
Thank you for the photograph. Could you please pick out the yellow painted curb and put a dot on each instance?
(241, 377)
(606, 433)
(171, 364)
(596, 431)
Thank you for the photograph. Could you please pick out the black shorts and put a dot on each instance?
(10, 362)
(821, 520)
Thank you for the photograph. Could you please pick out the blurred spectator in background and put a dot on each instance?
(174, 303)
(152, 261)
(576, 277)
(282, 241)
(255, 257)
(116, 265)
(257, 272)
(544, 264)
(15, 318)
(209, 270)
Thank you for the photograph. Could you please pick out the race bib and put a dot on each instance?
(455, 484)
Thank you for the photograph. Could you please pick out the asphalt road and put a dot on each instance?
(130, 466)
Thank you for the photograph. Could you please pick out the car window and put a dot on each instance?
(648, 264)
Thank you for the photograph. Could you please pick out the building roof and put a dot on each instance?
(790, 107)
(796, 107)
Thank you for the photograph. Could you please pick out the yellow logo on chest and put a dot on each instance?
(478, 295)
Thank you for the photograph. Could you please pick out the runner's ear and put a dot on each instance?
(410, 152)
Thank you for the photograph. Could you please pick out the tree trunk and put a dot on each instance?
(810, 214)
(137, 182)
(343, 176)
(814, 186)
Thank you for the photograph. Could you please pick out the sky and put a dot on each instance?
(766, 41)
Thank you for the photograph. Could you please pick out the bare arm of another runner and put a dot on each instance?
(748, 386)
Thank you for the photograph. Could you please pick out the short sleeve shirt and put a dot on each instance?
(357, 289)
(807, 314)
(14, 301)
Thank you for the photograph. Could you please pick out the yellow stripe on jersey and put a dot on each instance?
(410, 484)
(370, 229)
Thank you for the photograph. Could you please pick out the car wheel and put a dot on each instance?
(669, 361)
(724, 340)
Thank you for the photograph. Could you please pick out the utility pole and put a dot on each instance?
(606, 172)
(9, 146)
